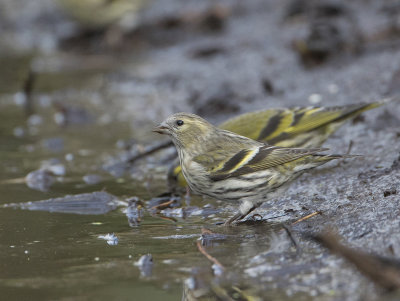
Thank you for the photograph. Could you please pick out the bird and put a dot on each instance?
(229, 167)
(304, 127)
(100, 14)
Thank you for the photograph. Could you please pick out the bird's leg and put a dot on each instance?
(245, 209)
(229, 221)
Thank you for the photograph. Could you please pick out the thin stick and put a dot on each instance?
(148, 150)
(209, 257)
(307, 217)
(27, 89)
(171, 219)
(162, 205)
(292, 238)
(349, 147)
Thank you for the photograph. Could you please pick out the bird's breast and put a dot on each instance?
(194, 173)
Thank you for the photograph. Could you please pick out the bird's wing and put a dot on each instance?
(255, 159)
(216, 155)
(222, 146)
(276, 125)
(310, 118)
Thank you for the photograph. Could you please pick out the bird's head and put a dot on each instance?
(184, 128)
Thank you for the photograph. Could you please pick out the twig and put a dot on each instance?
(383, 271)
(349, 147)
(209, 257)
(306, 217)
(167, 218)
(162, 205)
(148, 150)
(292, 238)
(27, 90)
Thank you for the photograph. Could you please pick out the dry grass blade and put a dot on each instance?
(307, 217)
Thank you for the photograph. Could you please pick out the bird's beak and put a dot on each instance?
(162, 128)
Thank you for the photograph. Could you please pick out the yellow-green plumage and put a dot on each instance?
(230, 167)
(98, 14)
(296, 127)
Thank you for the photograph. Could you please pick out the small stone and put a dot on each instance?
(315, 98)
(40, 180)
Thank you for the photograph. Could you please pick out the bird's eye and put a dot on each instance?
(179, 122)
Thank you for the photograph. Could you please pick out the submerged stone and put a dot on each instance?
(92, 179)
(40, 179)
(110, 238)
(145, 265)
(98, 202)
(134, 212)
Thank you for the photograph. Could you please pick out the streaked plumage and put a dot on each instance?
(229, 167)
(297, 127)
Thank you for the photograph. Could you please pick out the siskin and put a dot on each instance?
(296, 127)
(229, 167)
(99, 14)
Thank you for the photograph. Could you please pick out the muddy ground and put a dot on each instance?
(219, 60)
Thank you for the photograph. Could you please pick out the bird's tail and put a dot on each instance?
(339, 156)
(322, 158)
